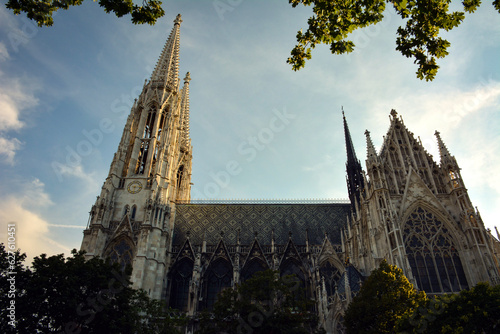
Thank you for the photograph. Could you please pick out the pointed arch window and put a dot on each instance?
(142, 158)
(253, 266)
(217, 278)
(160, 127)
(331, 276)
(121, 252)
(133, 212)
(150, 121)
(454, 178)
(291, 267)
(432, 255)
(180, 280)
(180, 173)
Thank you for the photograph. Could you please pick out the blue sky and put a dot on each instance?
(67, 88)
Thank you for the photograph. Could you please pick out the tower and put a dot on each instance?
(417, 214)
(131, 220)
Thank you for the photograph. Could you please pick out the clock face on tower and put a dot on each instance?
(134, 187)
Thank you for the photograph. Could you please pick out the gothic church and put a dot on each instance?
(405, 208)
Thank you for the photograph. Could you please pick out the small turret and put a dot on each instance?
(371, 153)
(445, 155)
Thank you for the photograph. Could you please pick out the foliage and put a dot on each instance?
(383, 299)
(472, 311)
(265, 303)
(73, 295)
(334, 20)
(42, 11)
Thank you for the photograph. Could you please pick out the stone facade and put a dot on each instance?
(405, 208)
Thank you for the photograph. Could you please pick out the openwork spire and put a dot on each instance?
(166, 72)
(355, 181)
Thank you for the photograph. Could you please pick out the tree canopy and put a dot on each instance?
(334, 20)
(384, 298)
(42, 11)
(74, 295)
(265, 303)
(332, 23)
(476, 310)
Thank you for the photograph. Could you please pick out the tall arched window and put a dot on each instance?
(217, 278)
(253, 266)
(431, 251)
(150, 121)
(179, 177)
(142, 158)
(121, 252)
(292, 267)
(331, 275)
(134, 211)
(180, 279)
(160, 126)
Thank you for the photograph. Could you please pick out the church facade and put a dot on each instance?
(405, 208)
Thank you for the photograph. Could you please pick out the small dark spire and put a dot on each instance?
(355, 181)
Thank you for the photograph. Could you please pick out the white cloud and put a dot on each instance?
(4, 54)
(8, 148)
(10, 105)
(77, 171)
(15, 97)
(33, 235)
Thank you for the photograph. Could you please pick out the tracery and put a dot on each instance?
(433, 257)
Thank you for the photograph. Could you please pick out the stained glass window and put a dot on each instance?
(217, 278)
(180, 280)
(331, 275)
(432, 255)
(121, 253)
(250, 268)
(291, 267)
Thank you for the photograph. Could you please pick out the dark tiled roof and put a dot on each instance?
(210, 220)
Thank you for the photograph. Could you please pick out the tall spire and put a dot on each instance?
(355, 183)
(351, 154)
(166, 72)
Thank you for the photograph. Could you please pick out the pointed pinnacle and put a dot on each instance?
(178, 19)
(443, 150)
(351, 154)
(370, 149)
